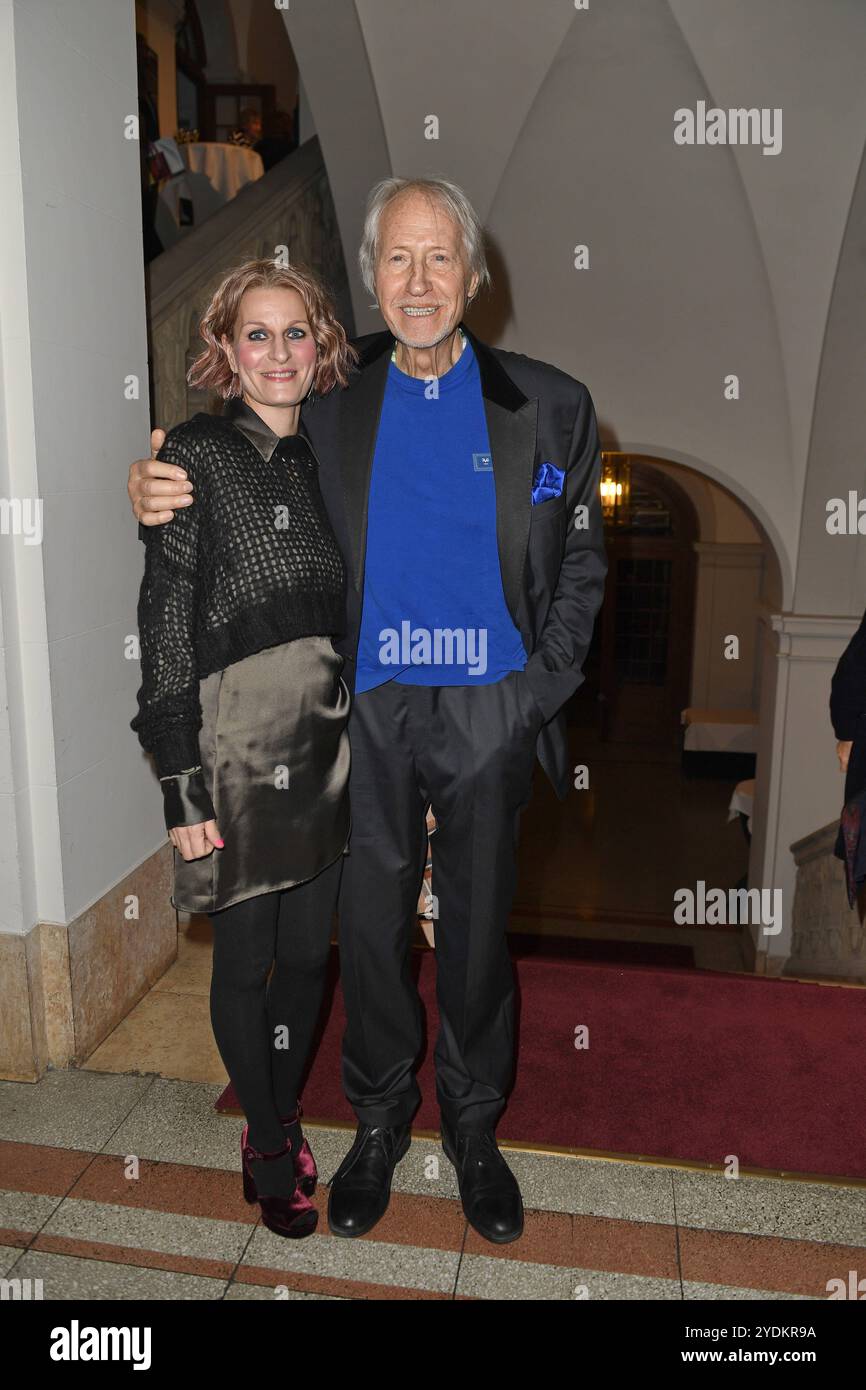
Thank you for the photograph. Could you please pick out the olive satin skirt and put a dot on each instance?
(275, 755)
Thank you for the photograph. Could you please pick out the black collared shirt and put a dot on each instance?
(259, 433)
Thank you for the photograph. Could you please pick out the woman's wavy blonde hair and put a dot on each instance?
(336, 356)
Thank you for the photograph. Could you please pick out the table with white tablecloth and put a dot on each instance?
(742, 801)
(227, 168)
(720, 730)
(215, 173)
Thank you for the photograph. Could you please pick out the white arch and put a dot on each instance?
(667, 453)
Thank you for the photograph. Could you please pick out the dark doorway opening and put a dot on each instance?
(639, 665)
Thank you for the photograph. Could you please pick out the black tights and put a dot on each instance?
(264, 1029)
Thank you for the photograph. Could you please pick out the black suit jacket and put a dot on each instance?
(848, 708)
(552, 571)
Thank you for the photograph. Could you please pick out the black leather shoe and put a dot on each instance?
(488, 1188)
(361, 1186)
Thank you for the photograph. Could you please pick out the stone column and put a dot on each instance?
(828, 937)
(798, 784)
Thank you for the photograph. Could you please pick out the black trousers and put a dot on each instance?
(270, 960)
(470, 750)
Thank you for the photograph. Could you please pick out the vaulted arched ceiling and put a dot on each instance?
(705, 261)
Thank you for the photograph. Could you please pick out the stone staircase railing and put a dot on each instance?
(290, 206)
(829, 937)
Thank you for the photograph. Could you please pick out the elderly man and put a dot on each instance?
(460, 665)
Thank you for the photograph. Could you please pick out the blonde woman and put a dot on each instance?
(243, 705)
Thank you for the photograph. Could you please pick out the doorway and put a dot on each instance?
(686, 564)
(647, 618)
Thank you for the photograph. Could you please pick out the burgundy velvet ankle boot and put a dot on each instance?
(293, 1215)
(305, 1165)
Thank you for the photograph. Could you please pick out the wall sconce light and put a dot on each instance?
(615, 488)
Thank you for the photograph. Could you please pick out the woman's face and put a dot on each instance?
(273, 350)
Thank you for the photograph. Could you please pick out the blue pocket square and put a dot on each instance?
(547, 483)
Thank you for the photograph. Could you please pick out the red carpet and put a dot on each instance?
(680, 1064)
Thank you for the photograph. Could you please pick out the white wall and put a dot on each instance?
(727, 604)
(704, 261)
(306, 123)
(79, 805)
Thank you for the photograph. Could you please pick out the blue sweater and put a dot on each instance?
(434, 609)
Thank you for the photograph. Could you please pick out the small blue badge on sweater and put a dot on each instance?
(547, 483)
(482, 463)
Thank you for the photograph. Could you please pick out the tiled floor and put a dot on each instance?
(119, 1180)
(127, 1186)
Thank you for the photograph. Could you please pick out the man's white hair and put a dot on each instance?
(453, 202)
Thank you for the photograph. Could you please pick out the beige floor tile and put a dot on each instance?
(167, 1033)
(191, 972)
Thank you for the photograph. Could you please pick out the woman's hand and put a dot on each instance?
(843, 753)
(155, 487)
(196, 841)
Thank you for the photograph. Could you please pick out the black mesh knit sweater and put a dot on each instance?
(251, 563)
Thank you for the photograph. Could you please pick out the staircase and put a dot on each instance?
(289, 206)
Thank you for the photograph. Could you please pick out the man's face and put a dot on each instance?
(422, 278)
